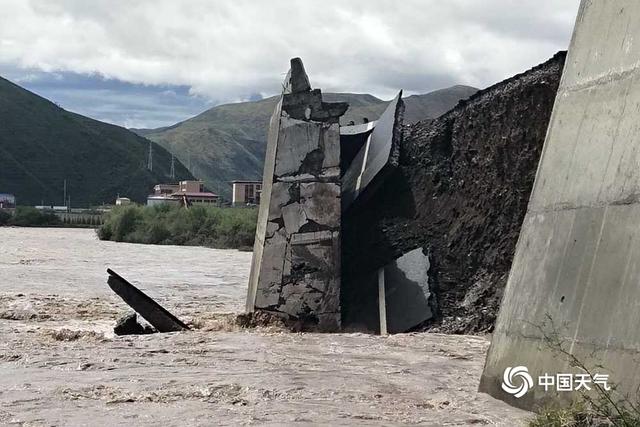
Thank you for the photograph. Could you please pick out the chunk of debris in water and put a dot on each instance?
(144, 305)
(262, 319)
(129, 325)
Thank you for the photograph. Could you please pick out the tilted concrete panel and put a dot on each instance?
(576, 268)
(352, 139)
(379, 154)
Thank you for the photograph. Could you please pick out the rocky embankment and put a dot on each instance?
(461, 193)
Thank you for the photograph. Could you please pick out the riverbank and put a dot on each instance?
(26, 216)
(29, 216)
(210, 226)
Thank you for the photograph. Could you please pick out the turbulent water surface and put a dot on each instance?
(60, 363)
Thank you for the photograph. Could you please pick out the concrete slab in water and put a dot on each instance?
(407, 296)
(144, 305)
(407, 291)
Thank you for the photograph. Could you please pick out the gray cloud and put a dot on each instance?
(231, 50)
(112, 101)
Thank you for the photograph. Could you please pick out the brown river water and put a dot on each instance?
(60, 363)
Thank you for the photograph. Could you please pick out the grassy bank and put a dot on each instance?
(26, 216)
(172, 225)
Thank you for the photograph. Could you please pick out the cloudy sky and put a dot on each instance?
(150, 63)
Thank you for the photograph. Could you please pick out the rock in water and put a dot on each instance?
(129, 325)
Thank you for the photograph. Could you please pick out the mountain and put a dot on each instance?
(41, 145)
(228, 142)
(436, 103)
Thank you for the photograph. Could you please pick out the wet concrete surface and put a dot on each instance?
(61, 364)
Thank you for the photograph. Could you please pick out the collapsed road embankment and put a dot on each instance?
(460, 193)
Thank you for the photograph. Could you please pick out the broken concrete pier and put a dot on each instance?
(296, 260)
(575, 272)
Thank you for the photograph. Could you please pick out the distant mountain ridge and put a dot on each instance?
(41, 145)
(228, 141)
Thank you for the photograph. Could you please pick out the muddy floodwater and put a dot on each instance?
(60, 363)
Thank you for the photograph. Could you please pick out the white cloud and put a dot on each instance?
(230, 49)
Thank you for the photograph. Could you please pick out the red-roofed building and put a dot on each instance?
(184, 192)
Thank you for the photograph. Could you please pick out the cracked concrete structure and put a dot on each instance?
(296, 263)
(577, 257)
(314, 171)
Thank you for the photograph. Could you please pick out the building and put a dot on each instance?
(166, 189)
(7, 201)
(191, 187)
(246, 192)
(154, 200)
(184, 192)
(52, 208)
(198, 197)
(123, 201)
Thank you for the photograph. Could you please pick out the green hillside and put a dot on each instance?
(228, 142)
(41, 145)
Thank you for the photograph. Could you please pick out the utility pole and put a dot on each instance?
(64, 198)
(150, 159)
(172, 172)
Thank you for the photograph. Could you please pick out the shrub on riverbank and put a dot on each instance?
(5, 217)
(172, 225)
(27, 216)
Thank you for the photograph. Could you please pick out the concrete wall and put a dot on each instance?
(80, 218)
(577, 259)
